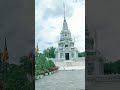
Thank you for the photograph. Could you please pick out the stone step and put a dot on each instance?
(72, 68)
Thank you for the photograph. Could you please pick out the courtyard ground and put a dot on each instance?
(62, 80)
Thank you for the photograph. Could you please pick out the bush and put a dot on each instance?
(51, 63)
(36, 73)
(46, 70)
(40, 63)
(55, 68)
(44, 66)
(47, 65)
(42, 72)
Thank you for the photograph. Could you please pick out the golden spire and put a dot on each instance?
(37, 48)
(5, 53)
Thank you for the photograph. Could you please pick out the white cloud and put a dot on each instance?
(47, 30)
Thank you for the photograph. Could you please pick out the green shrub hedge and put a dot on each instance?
(43, 65)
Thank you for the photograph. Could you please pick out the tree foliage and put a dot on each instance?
(82, 54)
(43, 65)
(40, 62)
(51, 63)
(16, 77)
(49, 52)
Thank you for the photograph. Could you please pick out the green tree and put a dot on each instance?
(17, 79)
(47, 65)
(49, 52)
(41, 61)
(41, 64)
(27, 64)
(81, 54)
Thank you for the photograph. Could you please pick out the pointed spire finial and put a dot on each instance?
(5, 55)
(65, 26)
(64, 10)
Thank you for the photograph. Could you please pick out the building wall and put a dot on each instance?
(58, 55)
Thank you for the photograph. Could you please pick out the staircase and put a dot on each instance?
(70, 65)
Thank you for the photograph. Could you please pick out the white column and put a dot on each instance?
(69, 55)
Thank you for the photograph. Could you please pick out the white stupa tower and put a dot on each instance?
(66, 49)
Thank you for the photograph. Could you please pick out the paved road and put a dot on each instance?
(62, 80)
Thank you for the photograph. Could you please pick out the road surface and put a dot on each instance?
(62, 80)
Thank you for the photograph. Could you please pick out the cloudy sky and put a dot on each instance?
(49, 20)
